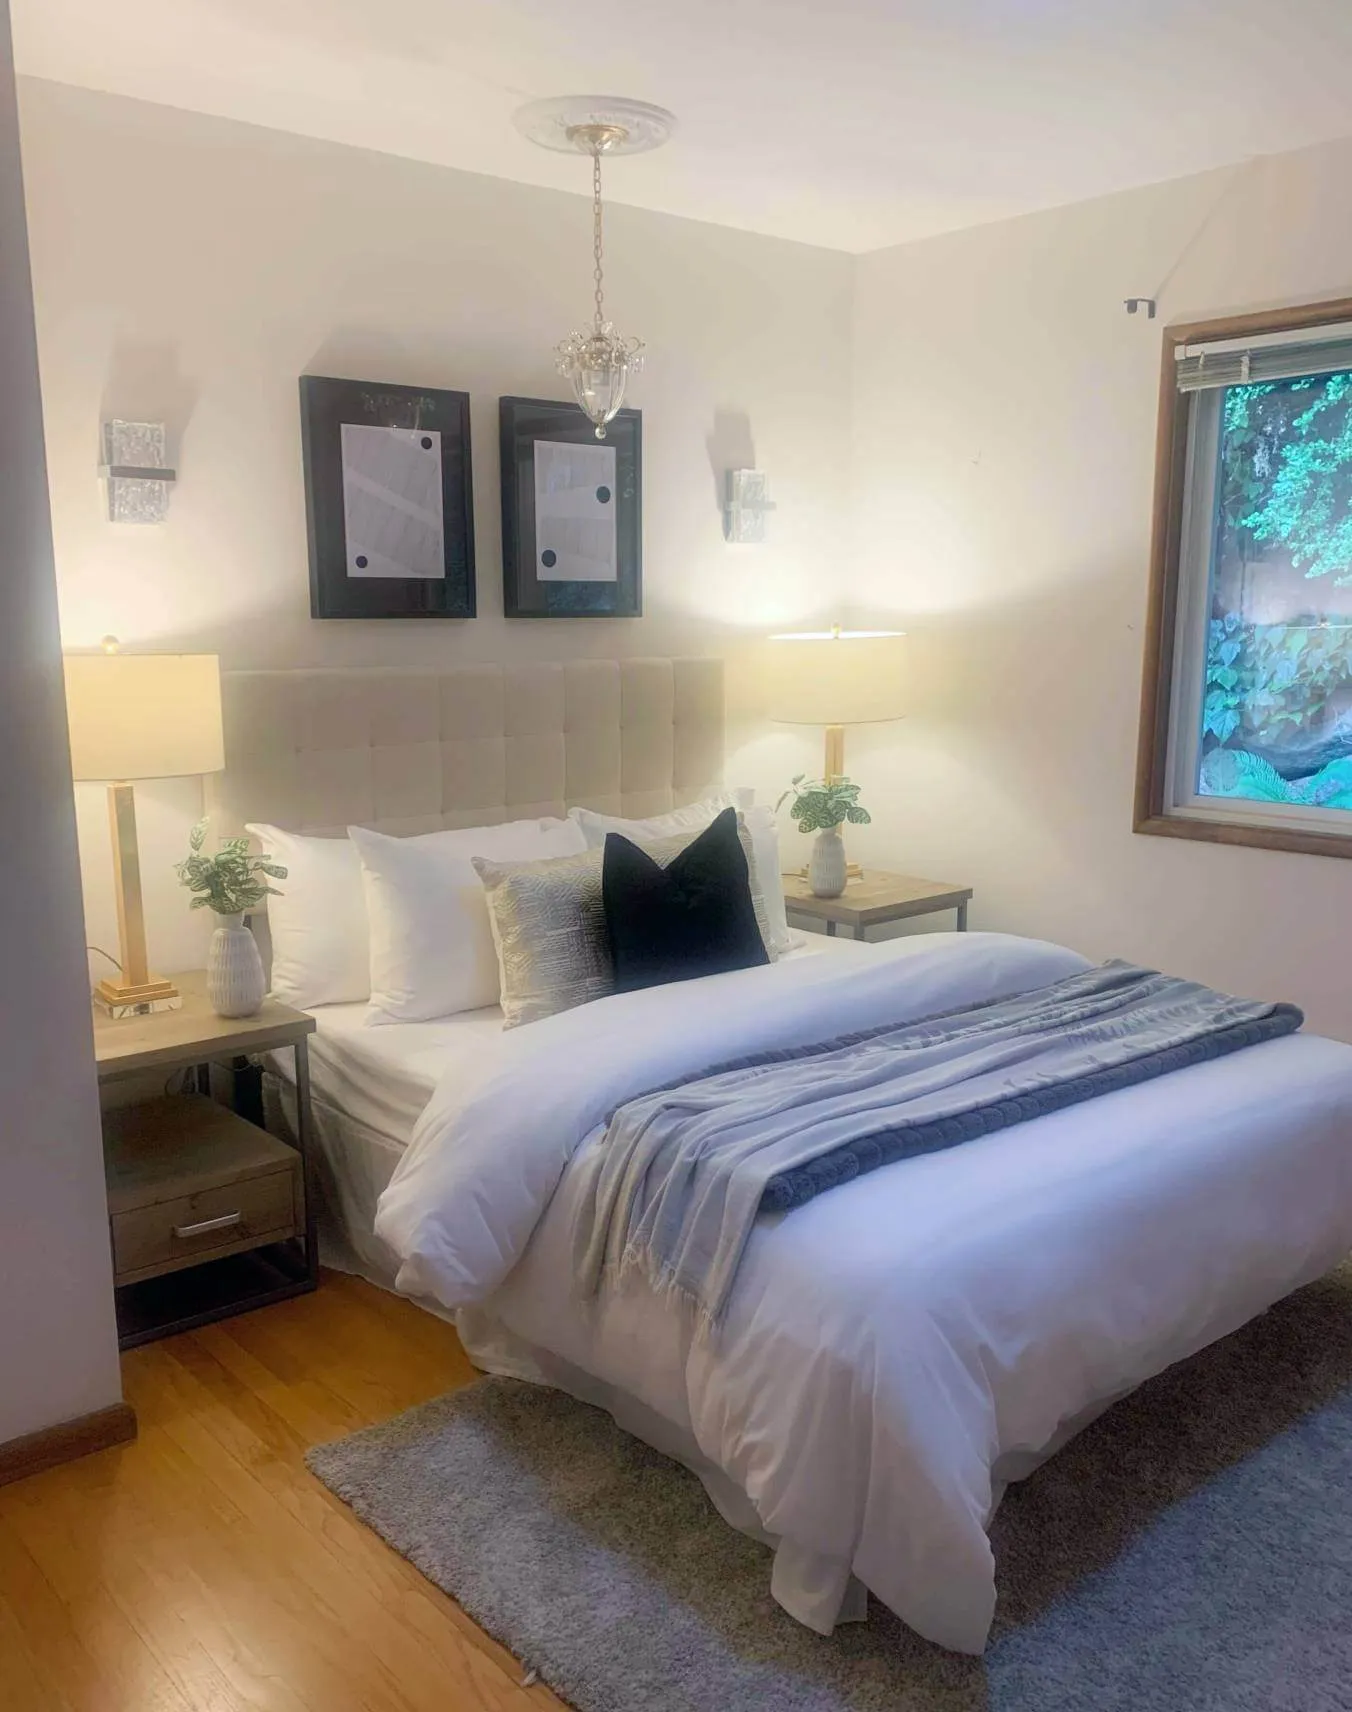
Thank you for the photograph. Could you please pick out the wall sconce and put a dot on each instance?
(745, 506)
(133, 465)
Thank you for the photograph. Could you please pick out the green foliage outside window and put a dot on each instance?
(1266, 678)
(1237, 773)
(1287, 471)
(1277, 710)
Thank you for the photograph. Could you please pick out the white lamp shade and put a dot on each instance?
(144, 716)
(836, 677)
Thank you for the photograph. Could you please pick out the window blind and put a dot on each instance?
(1235, 362)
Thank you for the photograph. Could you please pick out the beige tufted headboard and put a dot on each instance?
(407, 752)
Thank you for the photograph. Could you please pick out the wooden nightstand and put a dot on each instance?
(209, 1214)
(874, 898)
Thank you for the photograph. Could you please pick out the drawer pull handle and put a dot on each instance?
(225, 1222)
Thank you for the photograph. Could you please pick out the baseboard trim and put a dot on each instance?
(66, 1441)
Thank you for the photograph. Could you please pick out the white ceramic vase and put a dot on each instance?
(826, 871)
(236, 984)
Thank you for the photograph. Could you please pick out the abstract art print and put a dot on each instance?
(572, 526)
(388, 500)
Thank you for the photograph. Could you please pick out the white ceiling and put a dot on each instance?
(848, 123)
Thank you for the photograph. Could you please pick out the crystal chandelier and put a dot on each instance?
(597, 361)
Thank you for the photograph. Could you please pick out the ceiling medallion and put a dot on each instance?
(597, 360)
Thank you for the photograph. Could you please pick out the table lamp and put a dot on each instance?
(139, 716)
(836, 678)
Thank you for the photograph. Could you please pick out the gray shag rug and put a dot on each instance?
(1189, 1552)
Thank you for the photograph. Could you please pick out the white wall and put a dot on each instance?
(1004, 434)
(190, 269)
(58, 1348)
(1002, 407)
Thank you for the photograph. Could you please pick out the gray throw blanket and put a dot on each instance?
(685, 1170)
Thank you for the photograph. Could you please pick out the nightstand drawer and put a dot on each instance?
(205, 1226)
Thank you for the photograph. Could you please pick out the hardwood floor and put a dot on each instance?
(203, 1569)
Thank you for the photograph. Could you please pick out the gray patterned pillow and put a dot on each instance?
(550, 928)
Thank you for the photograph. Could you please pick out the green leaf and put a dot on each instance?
(1331, 782)
(228, 882)
(1236, 773)
(819, 804)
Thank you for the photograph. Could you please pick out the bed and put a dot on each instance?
(409, 753)
(900, 1348)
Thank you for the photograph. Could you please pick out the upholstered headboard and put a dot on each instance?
(407, 752)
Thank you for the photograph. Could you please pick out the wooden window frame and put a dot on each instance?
(1161, 631)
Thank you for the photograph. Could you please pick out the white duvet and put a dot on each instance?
(899, 1348)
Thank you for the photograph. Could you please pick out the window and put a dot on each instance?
(1246, 731)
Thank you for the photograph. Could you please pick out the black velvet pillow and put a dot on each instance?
(693, 917)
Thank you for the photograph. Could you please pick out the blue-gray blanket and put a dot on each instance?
(686, 1169)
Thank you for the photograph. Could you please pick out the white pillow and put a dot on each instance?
(760, 823)
(764, 830)
(320, 948)
(432, 952)
(693, 817)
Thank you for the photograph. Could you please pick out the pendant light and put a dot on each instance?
(598, 360)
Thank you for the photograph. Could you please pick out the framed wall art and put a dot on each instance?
(388, 499)
(572, 515)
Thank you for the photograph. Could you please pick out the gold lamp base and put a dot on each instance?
(119, 999)
(138, 991)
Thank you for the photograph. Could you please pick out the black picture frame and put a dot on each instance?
(326, 405)
(523, 422)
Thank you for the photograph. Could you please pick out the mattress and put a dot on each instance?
(367, 1088)
(382, 1077)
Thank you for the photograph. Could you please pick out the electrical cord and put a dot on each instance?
(100, 952)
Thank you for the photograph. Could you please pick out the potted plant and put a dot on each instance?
(229, 883)
(823, 806)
